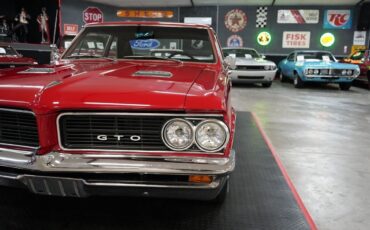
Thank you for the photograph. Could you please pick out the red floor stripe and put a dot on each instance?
(285, 174)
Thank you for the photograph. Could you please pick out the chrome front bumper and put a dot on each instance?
(50, 174)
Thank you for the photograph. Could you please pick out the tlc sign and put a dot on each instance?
(337, 19)
(92, 15)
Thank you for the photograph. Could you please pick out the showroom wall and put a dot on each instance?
(10, 8)
(72, 12)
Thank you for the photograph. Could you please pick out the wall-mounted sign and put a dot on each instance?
(264, 38)
(359, 38)
(70, 29)
(261, 17)
(337, 19)
(144, 44)
(355, 48)
(327, 39)
(235, 20)
(296, 39)
(92, 15)
(198, 20)
(234, 41)
(298, 16)
(145, 14)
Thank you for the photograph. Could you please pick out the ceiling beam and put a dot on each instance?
(359, 2)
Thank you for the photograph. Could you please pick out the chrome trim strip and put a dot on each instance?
(101, 163)
(17, 111)
(185, 116)
(211, 185)
(22, 146)
(153, 73)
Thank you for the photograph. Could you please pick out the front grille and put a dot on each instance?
(337, 72)
(101, 131)
(250, 67)
(18, 127)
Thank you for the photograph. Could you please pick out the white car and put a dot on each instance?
(251, 67)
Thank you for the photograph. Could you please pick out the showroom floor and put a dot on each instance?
(322, 136)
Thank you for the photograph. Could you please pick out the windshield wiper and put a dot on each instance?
(152, 57)
(78, 56)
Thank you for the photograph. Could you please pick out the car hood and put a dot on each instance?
(103, 85)
(253, 61)
(332, 65)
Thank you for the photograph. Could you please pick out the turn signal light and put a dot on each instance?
(200, 179)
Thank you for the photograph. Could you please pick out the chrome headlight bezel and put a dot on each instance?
(349, 72)
(165, 137)
(222, 125)
(194, 142)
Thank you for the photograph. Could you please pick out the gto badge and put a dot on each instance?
(118, 137)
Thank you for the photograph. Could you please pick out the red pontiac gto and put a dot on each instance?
(113, 118)
(10, 58)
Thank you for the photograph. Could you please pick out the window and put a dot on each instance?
(290, 57)
(148, 42)
(241, 53)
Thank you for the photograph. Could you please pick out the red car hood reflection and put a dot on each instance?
(101, 85)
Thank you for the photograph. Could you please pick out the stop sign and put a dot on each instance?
(93, 15)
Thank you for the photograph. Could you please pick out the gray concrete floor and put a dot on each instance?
(322, 136)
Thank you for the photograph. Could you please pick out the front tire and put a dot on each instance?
(298, 83)
(267, 84)
(282, 77)
(345, 86)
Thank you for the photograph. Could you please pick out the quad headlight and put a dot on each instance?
(349, 72)
(316, 71)
(344, 72)
(178, 134)
(210, 135)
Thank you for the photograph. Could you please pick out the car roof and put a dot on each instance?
(150, 23)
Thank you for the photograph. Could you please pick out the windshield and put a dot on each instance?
(7, 50)
(143, 42)
(315, 56)
(241, 53)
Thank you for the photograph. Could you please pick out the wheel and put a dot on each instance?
(298, 83)
(220, 198)
(267, 84)
(282, 77)
(345, 86)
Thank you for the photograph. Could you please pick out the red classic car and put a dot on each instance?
(362, 59)
(10, 58)
(111, 119)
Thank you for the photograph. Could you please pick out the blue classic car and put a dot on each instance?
(316, 66)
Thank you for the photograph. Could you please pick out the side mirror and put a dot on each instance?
(230, 62)
(263, 56)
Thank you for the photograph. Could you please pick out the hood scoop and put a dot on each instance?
(152, 73)
(38, 71)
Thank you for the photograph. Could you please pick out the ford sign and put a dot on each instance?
(144, 44)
